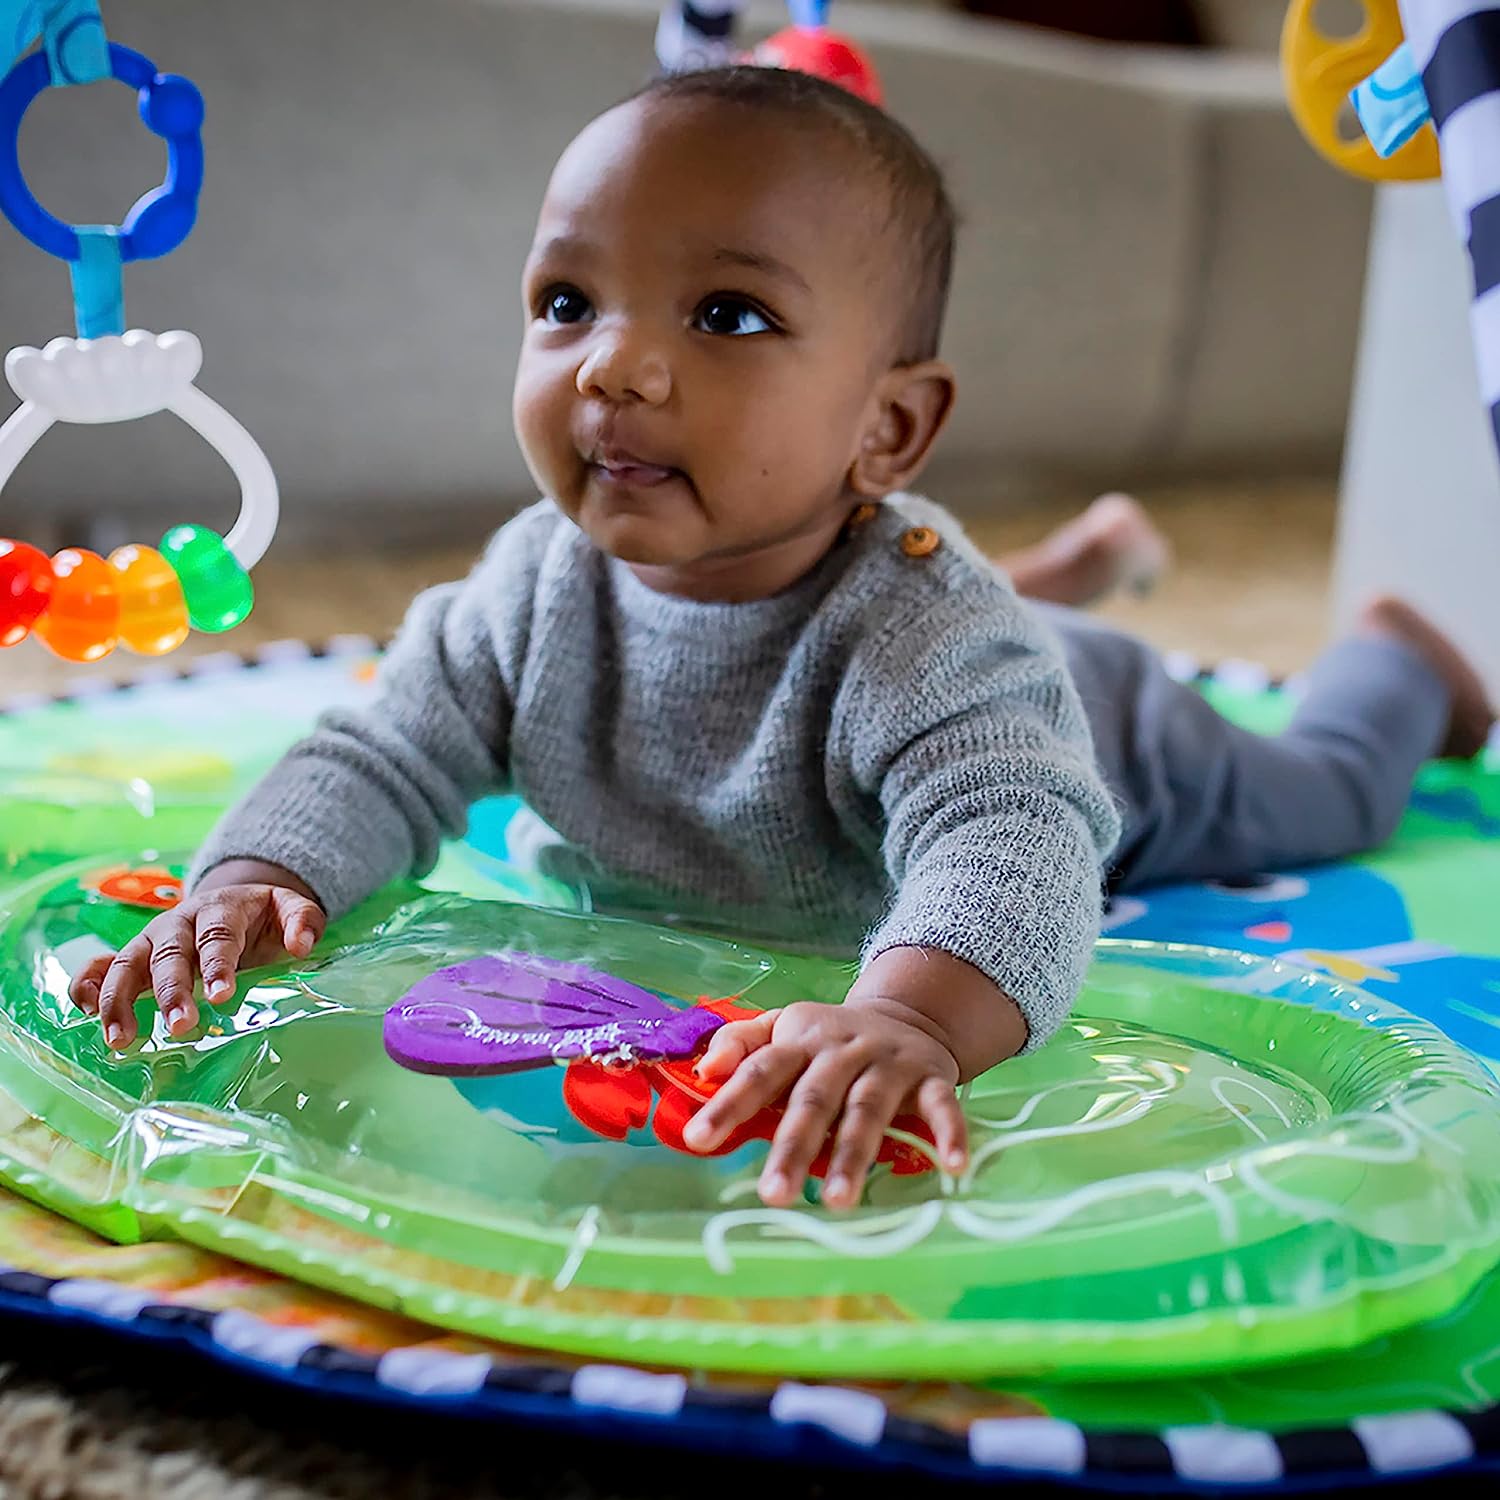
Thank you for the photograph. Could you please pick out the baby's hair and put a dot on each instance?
(922, 213)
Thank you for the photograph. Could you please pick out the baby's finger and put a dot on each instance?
(869, 1109)
(174, 964)
(219, 938)
(730, 1045)
(937, 1103)
(761, 1080)
(128, 975)
(84, 990)
(302, 921)
(803, 1132)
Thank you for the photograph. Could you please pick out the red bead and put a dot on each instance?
(25, 587)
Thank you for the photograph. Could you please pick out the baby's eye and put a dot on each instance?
(731, 315)
(563, 305)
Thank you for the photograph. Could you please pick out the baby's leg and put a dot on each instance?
(1207, 800)
(1113, 544)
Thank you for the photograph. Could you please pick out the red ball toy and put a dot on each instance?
(825, 54)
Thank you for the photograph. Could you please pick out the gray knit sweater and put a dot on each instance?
(890, 753)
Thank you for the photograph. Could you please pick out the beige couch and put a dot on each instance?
(1156, 276)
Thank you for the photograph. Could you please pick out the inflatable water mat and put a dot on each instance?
(473, 1110)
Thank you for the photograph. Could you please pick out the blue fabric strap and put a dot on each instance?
(98, 287)
(77, 49)
(71, 31)
(1391, 103)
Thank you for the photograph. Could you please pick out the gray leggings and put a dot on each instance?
(1204, 800)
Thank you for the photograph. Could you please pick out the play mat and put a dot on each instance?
(1289, 1278)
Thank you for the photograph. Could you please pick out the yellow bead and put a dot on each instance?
(153, 613)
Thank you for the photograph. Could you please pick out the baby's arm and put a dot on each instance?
(997, 825)
(368, 796)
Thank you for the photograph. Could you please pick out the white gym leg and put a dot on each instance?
(1419, 505)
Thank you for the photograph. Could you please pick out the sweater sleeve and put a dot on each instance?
(370, 795)
(968, 730)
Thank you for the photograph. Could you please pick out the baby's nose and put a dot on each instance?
(624, 366)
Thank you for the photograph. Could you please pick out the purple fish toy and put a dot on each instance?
(506, 1012)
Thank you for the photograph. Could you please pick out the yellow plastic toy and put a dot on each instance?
(1318, 71)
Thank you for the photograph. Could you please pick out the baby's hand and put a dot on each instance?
(213, 931)
(855, 1066)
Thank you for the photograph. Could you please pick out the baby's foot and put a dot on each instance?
(1114, 544)
(1471, 717)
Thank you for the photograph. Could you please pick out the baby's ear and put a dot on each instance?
(908, 410)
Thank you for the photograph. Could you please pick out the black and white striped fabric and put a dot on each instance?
(696, 34)
(793, 1422)
(1456, 47)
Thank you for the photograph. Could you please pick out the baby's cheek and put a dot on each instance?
(771, 475)
(542, 410)
(814, 452)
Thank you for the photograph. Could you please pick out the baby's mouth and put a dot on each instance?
(625, 470)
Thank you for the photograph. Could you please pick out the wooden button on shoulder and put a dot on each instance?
(864, 514)
(920, 541)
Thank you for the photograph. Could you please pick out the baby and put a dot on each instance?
(737, 668)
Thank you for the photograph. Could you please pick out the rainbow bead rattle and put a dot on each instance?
(79, 605)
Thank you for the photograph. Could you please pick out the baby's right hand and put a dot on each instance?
(214, 931)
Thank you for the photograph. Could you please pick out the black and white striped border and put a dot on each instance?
(794, 1421)
(275, 653)
(1456, 47)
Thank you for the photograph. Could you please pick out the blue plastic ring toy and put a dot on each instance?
(170, 107)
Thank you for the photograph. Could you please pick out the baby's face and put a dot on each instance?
(709, 305)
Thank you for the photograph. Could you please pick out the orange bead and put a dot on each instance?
(82, 621)
(153, 613)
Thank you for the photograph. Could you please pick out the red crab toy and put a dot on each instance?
(613, 1099)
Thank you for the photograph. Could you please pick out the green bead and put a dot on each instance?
(217, 589)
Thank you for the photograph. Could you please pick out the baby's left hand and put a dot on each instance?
(855, 1066)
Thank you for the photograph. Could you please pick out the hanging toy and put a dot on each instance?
(79, 605)
(695, 34)
(808, 46)
(1371, 70)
